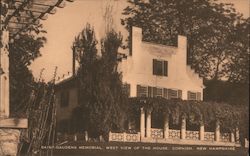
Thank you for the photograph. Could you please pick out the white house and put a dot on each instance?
(152, 70)
(158, 70)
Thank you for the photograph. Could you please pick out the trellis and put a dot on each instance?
(24, 13)
(18, 17)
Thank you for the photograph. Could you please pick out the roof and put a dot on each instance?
(67, 82)
(64, 79)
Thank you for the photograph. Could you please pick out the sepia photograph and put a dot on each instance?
(124, 77)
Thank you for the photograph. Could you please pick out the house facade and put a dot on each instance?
(154, 70)
(151, 70)
(66, 101)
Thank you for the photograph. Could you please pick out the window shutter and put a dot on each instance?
(165, 93)
(165, 68)
(141, 91)
(128, 89)
(169, 93)
(188, 95)
(194, 95)
(172, 94)
(154, 66)
(150, 91)
(64, 98)
(138, 88)
(159, 92)
(154, 91)
(179, 94)
(198, 96)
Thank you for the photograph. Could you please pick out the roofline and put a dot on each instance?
(59, 82)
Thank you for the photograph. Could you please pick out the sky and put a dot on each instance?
(69, 21)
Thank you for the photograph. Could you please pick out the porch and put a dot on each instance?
(182, 136)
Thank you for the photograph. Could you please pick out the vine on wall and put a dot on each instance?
(196, 112)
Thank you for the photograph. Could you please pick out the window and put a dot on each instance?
(142, 91)
(155, 92)
(160, 67)
(147, 91)
(126, 89)
(159, 92)
(151, 91)
(165, 93)
(174, 94)
(179, 96)
(64, 98)
(194, 95)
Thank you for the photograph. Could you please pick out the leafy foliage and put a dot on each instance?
(239, 65)
(21, 53)
(101, 96)
(218, 49)
(196, 112)
(235, 94)
(210, 28)
(231, 93)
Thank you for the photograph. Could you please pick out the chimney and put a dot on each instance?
(136, 36)
(182, 46)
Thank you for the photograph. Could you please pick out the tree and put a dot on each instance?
(239, 65)
(100, 86)
(218, 40)
(24, 47)
(22, 52)
(207, 25)
(111, 81)
(86, 55)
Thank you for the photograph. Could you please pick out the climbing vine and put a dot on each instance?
(196, 112)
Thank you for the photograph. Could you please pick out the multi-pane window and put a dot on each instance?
(194, 96)
(174, 94)
(179, 96)
(64, 98)
(159, 92)
(142, 91)
(160, 67)
(151, 91)
(126, 89)
(165, 93)
(147, 91)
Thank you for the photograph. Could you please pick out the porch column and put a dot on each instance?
(142, 123)
(4, 71)
(237, 135)
(129, 124)
(202, 131)
(148, 126)
(232, 137)
(166, 126)
(217, 131)
(9, 127)
(183, 128)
